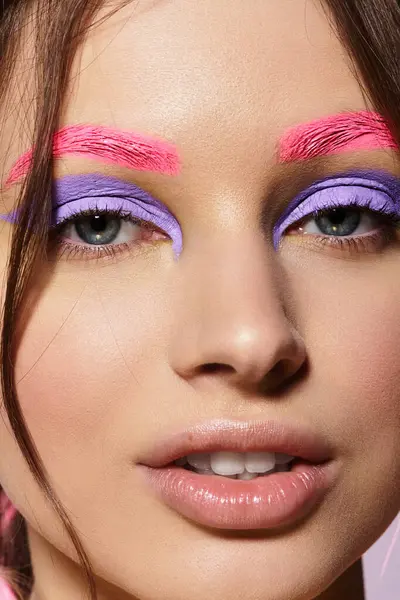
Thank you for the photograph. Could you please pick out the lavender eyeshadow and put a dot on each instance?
(77, 193)
(375, 189)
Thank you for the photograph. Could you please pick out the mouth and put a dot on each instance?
(241, 475)
(244, 466)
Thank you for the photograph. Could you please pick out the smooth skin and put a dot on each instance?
(115, 353)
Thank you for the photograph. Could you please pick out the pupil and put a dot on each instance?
(98, 222)
(338, 216)
(98, 229)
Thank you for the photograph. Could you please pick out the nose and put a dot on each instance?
(230, 319)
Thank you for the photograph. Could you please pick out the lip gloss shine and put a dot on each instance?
(266, 502)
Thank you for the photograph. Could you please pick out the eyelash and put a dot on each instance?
(70, 250)
(365, 243)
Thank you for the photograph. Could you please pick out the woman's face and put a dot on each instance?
(125, 348)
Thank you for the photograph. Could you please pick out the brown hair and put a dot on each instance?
(369, 30)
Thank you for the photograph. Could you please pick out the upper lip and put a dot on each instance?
(239, 436)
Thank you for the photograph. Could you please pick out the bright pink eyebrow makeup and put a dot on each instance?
(124, 148)
(344, 132)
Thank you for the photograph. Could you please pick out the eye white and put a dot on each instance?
(367, 223)
(128, 232)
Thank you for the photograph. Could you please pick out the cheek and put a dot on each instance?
(85, 372)
(362, 354)
(350, 314)
(84, 361)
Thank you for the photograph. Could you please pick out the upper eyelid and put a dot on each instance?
(92, 189)
(94, 185)
(290, 184)
(74, 215)
(377, 181)
(357, 199)
(271, 212)
(127, 206)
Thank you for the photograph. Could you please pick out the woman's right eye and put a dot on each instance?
(105, 228)
(100, 230)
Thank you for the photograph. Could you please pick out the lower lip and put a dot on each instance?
(267, 502)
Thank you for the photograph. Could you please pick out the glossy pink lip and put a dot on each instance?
(239, 436)
(267, 502)
(270, 501)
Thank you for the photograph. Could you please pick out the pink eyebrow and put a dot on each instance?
(363, 130)
(127, 149)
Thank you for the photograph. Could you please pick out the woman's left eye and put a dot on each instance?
(341, 221)
(348, 213)
(349, 229)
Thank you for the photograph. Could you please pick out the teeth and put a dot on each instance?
(227, 463)
(199, 461)
(259, 462)
(205, 471)
(245, 476)
(240, 465)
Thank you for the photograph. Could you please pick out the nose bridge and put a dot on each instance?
(231, 312)
(238, 274)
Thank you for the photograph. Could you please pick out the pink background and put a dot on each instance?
(386, 587)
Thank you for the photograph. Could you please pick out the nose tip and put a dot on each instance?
(231, 317)
(253, 358)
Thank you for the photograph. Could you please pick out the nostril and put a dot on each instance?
(278, 370)
(276, 378)
(216, 367)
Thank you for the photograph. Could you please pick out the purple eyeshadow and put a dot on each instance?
(77, 193)
(376, 190)
(73, 194)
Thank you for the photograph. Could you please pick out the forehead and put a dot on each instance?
(212, 74)
(221, 80)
